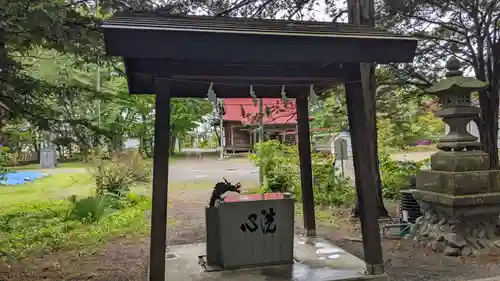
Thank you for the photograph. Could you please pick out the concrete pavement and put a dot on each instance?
(316, 259)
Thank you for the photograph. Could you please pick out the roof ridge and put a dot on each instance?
(176, 22)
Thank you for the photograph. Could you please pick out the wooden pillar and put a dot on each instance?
(222, 134)
(297, 132)
(160, 182)
(365, 163)
(305, 166)
(231, 128)
(261, 140)
(250, 139)
(254, 136)
(362, 12)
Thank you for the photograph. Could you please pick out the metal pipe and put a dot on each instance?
(221, 125)
(261, 140)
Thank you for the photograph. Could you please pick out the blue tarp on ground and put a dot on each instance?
(15, 178)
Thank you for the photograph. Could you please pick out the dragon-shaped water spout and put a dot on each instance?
(220, 189)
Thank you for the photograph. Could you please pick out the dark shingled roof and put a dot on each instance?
(234, 53)
(156, 21)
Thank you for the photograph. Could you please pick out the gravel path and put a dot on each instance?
(235, 169)
(188, 170)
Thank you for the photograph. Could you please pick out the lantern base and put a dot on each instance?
(458, 146)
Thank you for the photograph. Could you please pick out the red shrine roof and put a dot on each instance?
(279, 113)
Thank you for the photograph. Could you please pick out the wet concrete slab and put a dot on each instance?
(316, 260)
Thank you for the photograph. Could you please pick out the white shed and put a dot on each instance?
(342, 135)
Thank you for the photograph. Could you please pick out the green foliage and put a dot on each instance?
(90, 209)
(429, 126)
(4, 158)
(402, 119)
(117, 176)
(330, 187)
(331, 112)
(281, 174)
(395, 175)
(114, 179)
(455, 31)
(280, 165)
(400, 133)
(42, 227)
(34, 217)
(48, 24)
(92, 107)
(401, 116)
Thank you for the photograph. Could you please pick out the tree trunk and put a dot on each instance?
(69, 148)
(84, 153)
(142, 148)
(36, 146)
(115, 144)
(60, 149)
(217, 135)
(487, 124)
(172, 145)
(150, 148)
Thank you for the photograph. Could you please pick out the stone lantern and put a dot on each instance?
(454, 93)
(460, 196)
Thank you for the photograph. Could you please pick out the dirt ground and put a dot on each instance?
(125, 259)
(402, 259)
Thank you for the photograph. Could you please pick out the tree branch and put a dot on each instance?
(261, 8)
(235, 7)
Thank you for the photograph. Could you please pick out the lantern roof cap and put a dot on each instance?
(455, 81)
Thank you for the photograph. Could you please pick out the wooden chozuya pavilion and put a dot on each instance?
(184, 56)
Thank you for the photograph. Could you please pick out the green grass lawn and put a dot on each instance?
(50, 188)
(33, 218)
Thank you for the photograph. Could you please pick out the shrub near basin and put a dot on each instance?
(280, 166)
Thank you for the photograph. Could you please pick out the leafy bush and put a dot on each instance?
(396, 175)
(114, 179)
(4, 158)
(280, 165)
(118, 175)
(330, 187)
(90, 209)
(402, 121)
